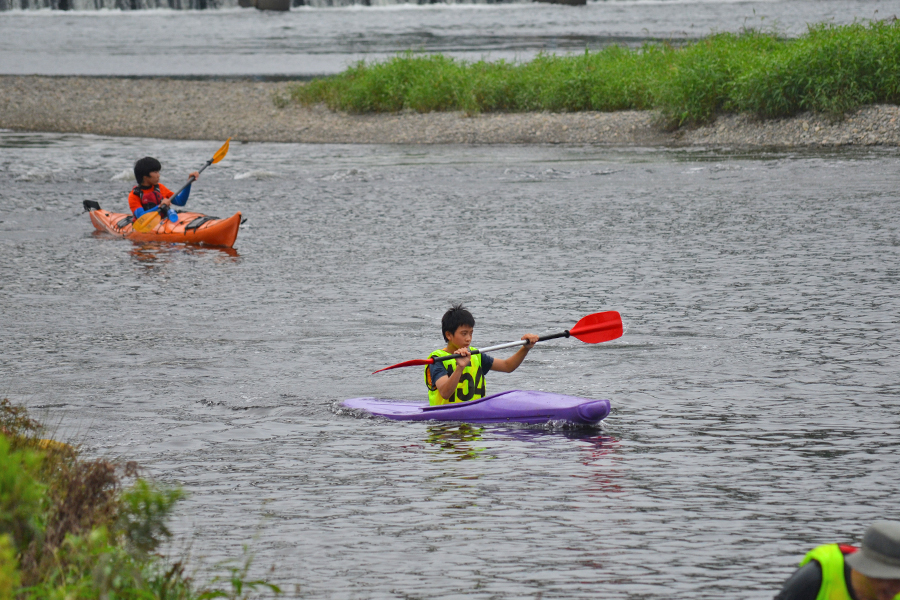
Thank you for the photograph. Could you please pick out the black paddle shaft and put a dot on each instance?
(544, 338)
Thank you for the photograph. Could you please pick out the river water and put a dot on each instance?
(313, 41)
(754, 393)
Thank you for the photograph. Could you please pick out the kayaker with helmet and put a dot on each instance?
(462, 379)
(150, 194)
(839, 572)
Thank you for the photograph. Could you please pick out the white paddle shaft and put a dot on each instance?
(501, 346)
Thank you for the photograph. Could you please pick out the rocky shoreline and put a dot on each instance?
(257, 111)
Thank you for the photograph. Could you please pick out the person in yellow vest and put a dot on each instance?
(839, 572)
(462, 379)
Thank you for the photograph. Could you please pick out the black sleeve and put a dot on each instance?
(438, 370)
(487, 361)
(804, 584)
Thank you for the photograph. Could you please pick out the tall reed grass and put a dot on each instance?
(830, 69)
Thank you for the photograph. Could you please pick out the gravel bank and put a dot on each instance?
(245, 110)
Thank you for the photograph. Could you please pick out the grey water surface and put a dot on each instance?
(317, 40)
(755, 390)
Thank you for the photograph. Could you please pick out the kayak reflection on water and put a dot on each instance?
(455, 439)
(150, 254)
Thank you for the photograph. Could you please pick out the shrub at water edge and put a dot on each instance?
(69, 530)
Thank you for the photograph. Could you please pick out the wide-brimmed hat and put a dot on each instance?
(879, 556)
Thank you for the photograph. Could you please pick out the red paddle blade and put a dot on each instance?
(598, 327)
(408, 363)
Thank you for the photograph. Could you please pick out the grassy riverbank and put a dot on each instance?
(830, 69)
(71, 529)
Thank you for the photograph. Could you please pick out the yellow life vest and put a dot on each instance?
(830, 557)
(471, 382)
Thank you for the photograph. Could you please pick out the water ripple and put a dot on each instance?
(756, 382)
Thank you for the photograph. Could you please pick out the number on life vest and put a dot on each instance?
(466, 392)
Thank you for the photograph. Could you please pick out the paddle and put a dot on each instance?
(592, 329)
(153, 218)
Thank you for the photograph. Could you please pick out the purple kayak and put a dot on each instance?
(514, 406)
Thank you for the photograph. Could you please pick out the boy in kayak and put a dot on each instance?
(150, 194)
(462, 379)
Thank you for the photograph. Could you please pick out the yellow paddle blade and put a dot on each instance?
(147, 222)
(220, 154)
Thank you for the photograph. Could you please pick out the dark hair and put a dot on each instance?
(454, 318)
(144, 167)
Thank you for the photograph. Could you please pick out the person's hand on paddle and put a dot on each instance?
(508, 365)
(166, 204)
(465, 358)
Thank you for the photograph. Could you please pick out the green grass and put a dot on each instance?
(71, 529)
(830, 69)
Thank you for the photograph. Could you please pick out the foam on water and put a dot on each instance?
(258, 175)
(36, 175)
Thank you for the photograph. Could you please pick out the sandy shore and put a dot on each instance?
(246, 111)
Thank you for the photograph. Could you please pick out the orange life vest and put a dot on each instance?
(149, 198)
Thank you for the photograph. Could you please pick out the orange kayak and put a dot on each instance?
(191, 228)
